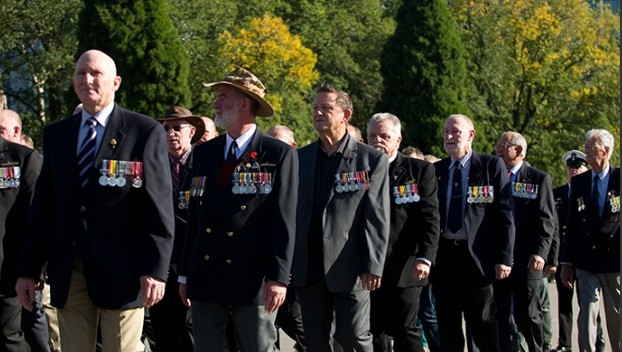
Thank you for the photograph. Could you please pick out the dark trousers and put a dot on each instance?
(564, 316)
(12, 337)
(289, 319)
(459, 287)
(170, 320)
(520, 297)
(350, 311)
(427, 316)
(35, 327)
(394, 313)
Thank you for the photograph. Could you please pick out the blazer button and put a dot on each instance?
(208, 230)
(82, 208)
(594, 247)
(230, 234)
(584, 220)
(228, 261)
(564, 227)
(206, 257)
(242, 207)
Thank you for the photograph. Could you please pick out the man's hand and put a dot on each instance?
(420, 270)
(370, 281)
(536, 263)
(567, 275)
(25, 288)
(550, 270)
(151, 290)
(274, 295)
(184, 295)
(502, 271)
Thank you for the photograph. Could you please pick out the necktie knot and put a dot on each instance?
(232, 155)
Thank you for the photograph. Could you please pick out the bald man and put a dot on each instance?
(10, 126)
(210, 130)
(104, 216)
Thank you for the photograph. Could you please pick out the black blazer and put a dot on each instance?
(14, 207)
(236, 242)
(181, 213)
(122, 232)
(562, 198)
(414, 228)
(534, 219)
(593, 244)
(490, 226)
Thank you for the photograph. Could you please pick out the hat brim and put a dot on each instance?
(264, 110)
(194, 120)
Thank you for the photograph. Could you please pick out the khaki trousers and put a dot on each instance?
(79, 320)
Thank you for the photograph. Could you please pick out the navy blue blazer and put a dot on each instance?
(237, 242)
(490, 226)
(14, 207)
(122, 233)
(593, 244)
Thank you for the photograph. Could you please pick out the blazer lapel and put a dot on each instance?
(114, 136)
(345, 164)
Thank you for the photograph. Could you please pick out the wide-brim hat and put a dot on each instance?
(180, 113)
(250, 85)
(574, 158)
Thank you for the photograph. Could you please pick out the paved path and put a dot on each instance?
(287, 344)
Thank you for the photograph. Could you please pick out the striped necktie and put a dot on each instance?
(86, 155)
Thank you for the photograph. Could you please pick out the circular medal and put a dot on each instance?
(352, 187)
(339, 188)
(410, 198)
(235, 189)
(137, 183)
(112, 181)
(252, 189)
(470, 200)
(181, 205)
(121, 181)
(359, 186)
(103, 180)
(416, 198)
(398, 200)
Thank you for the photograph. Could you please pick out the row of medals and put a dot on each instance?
(250, 182)
(351, 181)
(480, 194)
(406, 194)
(524, 190)
(9, 177)
(614, 202)
(113, 173)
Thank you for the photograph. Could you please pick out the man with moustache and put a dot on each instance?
(102, 216)
(477, 238)
(534, 215)
(342, 228)
(241, 222)
(592, 246)
(413, 240)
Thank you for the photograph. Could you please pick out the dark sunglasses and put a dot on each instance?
(175, 128)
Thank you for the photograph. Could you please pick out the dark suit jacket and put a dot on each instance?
(562, 198)
(593, 244)
(14, 207)
(181, 214)
(236, 242)
(490, 226)
(122, 233)
(534, 220)
(355, 224)
(414, 230)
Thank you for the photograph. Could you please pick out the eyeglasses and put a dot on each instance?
(505, 145)
(175, 128)
(591, 147)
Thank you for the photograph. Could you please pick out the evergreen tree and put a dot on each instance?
(150, 58)
(424, 72)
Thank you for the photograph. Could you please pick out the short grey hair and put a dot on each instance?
(605, 138)
(385, 116)
(518, 139)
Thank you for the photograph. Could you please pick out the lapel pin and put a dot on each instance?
(113, 143)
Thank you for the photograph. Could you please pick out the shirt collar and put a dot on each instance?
(514, 169)
(101, 117)
(603, 173)
(184, 158)
(342, 146)
(242, 141)
(463, 161)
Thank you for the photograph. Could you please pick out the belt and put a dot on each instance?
(455, 242)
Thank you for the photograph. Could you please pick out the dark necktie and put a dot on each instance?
(454, 215)
(86, 155)
(175, 175)
(231, 156)
(595, 197)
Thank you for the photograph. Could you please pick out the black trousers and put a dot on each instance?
(520, 297)
(12, 338)
(394, 313)
(460, 288)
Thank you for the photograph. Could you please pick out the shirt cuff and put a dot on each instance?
(182, 279)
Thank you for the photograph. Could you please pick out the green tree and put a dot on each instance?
(346, 36)
(424, 72)
(141, 38)
(37, 45)
(549, 70)
(287, 68)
